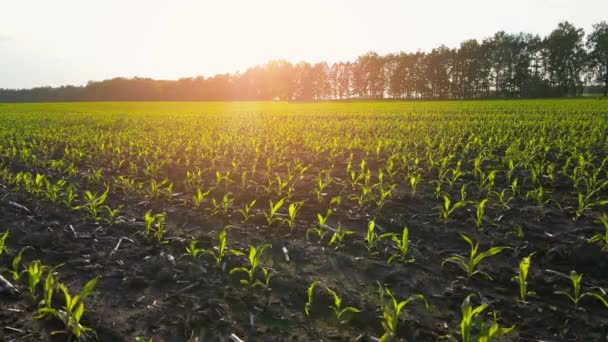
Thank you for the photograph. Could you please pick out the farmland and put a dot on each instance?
(305, 221)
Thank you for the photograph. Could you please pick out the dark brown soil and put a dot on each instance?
(151, 290)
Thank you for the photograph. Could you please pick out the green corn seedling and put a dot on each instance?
(472, 326)
(540, 195)
(503, 198)
(16, 272)
(337, 307)
(522, 278)
(49, 288)
(274, 208)
(310, 293)
(222, 238)
(598, 238)
(320, 228)
(457, 173)
(223, 206)
(192, 249)
(338, 236)
(391, 311)
(577, 294)
(469, 265)
(293, 212)
(385, 194)
(254, 259)
(34, 271)
(199, 197)
(585, 202)
(479, 213)
(322, 183)
(414, 181)
(246, 212)
(112, 214)
(370, 237)
(447, 209)
(157, 220)
(3, 238)
(402, 244)
(70, 196)
(72, 311)
(336, 200)
(94, 203)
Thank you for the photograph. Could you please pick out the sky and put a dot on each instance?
(53, 43)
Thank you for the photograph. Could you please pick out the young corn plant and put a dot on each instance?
(16, 272)
(49, 288)
(34, 272)
(222, 238)
(72, 311)
(246, 212)
(193, 250)
(223, 206)
(414, 181)
(540, 196)
(271, 215)
(338, 236)
(112, 216)
(94, 203)
(391, 311)
(254, 259)
(473, 328)
(446, 210)
(155, 226)
(403, 245)
(339, 311)
(503, 198)
(456, 173)
(479, 213)
(598, 238)
(522, 278)
(323, 180)
(577, 294)
(371, 237)
(584, 203)
(199, 197)
(336, 201)
(469, 265)
(320, 228)
(487, 181)
(70, 197)
(310, 292)
(385, 194)
(293, 212)
(3, 238)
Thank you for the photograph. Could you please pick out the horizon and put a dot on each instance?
(63, 44)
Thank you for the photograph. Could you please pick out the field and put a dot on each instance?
(305, 221)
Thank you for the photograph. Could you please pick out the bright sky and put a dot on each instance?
(73, 41)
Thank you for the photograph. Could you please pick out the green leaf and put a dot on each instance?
(238, 269)
(599, 297)
(236, 252)
(88, 288)
(466, 238)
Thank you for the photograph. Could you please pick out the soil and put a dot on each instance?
(156, 291)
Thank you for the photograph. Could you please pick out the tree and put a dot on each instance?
(437, 71)
(503, 65)
(303, 86)
(320, 83)
(597, 43)
(566, 56)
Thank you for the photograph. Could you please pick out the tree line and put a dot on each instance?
(502, 66)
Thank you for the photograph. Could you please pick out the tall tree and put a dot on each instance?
(566, 56)
(597, 43)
